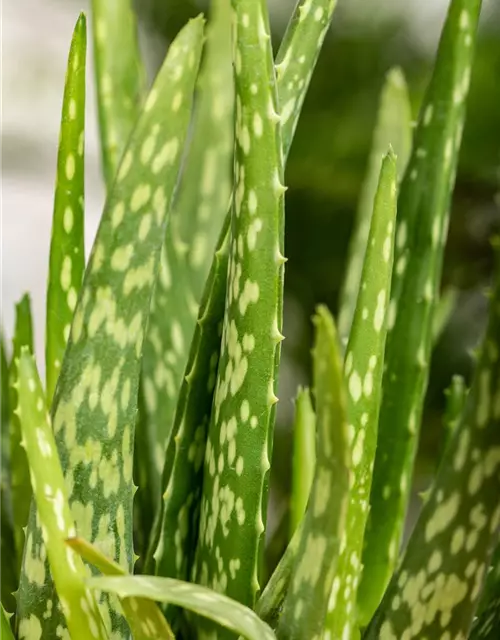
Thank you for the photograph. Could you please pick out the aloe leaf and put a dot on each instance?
(8, 583)
(393, 127)
(363, 370)
(218, 608)
(443, 312)
(304, 457)
(144, 617)
(237, 460)
(183, 472)
(197, 218)
(206, 182)
(5, 629)
(486, 625)
(78, 604)
(95, 405)
(67, 256)
(120, 78)
(436, 588)
(423, 216)
(296, 60)
(306, 603)
(19, 479)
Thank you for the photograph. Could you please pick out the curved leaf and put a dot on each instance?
(144, 617)
(78, 604)
(218, 608)
(67, 255)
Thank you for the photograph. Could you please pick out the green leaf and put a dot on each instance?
(237, 460)
(296, 60)
(393, 127)
(304, 457)
(423, 216)
(456, 395)
(174, 542)
(5, 625)
(19, 479)
(363, 370)
(206, 183)
(222, 610)
(120, 78)
(486, 625)
(197, 218)
(436, 589)
(94, 409)
(78, 604)
(144, 617)
(306, 602)
(67, 255)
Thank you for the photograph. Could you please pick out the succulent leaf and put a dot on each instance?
(437, 585)
(237, 460)
(145, 619)
(363, 369)
(19, 479)
(306, 603)
(5, 628)
(393, 127)
(304, 457)
(67, 255)
(120, 78)
(95, 405)
(218, 608)
(423, 216)
(78, 604)
(296, 59)
(486, 624)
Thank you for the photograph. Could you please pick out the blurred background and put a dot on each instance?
(324, 172)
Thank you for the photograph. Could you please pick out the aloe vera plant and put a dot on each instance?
(163, 358)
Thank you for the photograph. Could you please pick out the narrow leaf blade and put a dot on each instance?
(218, 608)
(393, 127)
(119, 77)
(304, 457)
(67, 256)
(319, 546)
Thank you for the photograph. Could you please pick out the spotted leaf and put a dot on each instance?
(95, 405)
(304, 457)
(296, 59)
(364, 364)
(423, 216)
(456, 395)
(218, 608)
(436, 589)
(393, 127)
(197, 217)
(78, 604)
(67, 256)
(237, 459)
(19, 479)
(120, 78)
(183, 471)
(486, 624)
(306, 603)
(144, 617)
